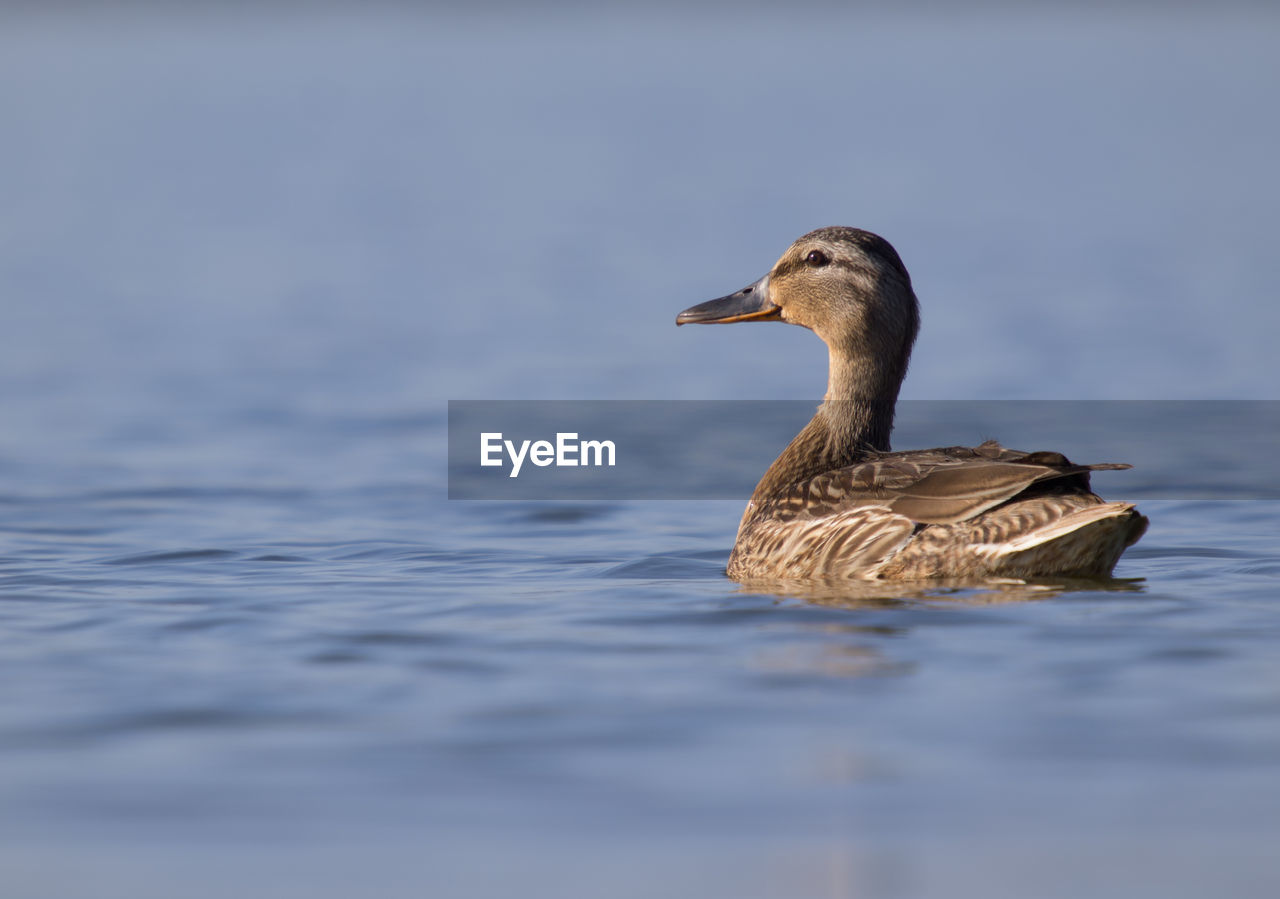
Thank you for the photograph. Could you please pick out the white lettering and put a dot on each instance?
(543, 454)
(567, 451)
(564, 448)
(517, 459)
(490, 443)
(599, 446)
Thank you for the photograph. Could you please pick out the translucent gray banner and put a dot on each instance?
(662, 449)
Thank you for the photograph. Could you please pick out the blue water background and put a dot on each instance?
(247, 647)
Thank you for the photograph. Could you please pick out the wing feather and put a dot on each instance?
(927, 513)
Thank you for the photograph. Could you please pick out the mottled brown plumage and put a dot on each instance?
(838, 503)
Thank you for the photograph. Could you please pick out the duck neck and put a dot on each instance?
(855, 418)
(858, 407)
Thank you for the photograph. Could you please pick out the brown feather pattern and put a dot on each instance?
(949, 512)
(838, 504)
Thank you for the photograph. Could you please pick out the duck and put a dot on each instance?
(839, 503)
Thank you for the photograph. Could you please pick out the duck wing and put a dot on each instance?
(937, 486)
(855, 519)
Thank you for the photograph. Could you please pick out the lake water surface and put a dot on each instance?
(249, 647)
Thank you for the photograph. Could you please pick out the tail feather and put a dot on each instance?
(1086, 542)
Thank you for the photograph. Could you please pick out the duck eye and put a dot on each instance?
(817, 258)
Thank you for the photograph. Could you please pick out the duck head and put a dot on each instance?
(846, 285)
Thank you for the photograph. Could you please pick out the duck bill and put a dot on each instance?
(749, 304)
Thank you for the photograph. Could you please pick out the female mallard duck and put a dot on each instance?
(838, 503)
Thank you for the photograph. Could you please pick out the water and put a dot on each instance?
(247, 645)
